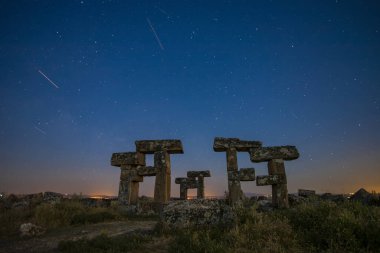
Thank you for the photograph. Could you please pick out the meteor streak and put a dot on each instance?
(47, 78)
(155, 34)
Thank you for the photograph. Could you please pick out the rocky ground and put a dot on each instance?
(48, 242)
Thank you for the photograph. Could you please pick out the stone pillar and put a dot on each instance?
(129, 185)
(231, 146)
(201, 187)
(161, 150)
(234, 187)
(129, 163)
(275, 157)
(163, 176)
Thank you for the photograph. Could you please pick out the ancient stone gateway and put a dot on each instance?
(161, 169)
(231, 146)
(275, 157)
(194, 179)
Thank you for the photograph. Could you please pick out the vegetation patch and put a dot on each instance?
(102, 243)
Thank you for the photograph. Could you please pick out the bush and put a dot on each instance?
(264, 232)
(254, 232)
(11, 219)
(57, 215)
(211, 240)
(328, 227)
(93, 216)
(103, 243)
(71, 213)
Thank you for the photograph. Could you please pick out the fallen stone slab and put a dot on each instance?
(197, 213)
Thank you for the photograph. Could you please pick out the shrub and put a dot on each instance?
(211, 240)
(326, 226)
(93, 215)
(71, 213)
(11, 219)
(60, 214)
(264, 232)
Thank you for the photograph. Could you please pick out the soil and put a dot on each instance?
(48, 242)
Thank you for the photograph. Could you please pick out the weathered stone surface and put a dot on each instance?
(231, 146)
(270, 180)
(279, 190)
(222, 144)
(195, 179)
(52, 197)
(151, 146)
(163, 176)
(265, 154)
(305, 193)
(247, 174)
(29, 230)
(185, 184)
(191, 182)
(130, 158)
(146, 171)
(197, 213)
(202, 173)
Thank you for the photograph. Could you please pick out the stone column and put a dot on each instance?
(275, 157)
(163, 176)
(231, 146)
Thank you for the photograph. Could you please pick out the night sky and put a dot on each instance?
(80, 80)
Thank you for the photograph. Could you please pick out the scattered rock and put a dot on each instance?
(295, 200)
(306, 193)
(360, 195)
(52, 197)
(264, 205)
(29, 230)
(199, 212)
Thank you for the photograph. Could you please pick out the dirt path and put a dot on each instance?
(49, 241)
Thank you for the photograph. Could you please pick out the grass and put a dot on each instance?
(310, 227)
(102, 243)
(315, 226)
(50, 216)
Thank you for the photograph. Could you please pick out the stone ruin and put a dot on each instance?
(133, 170)
(194, 180)
(231, 146)
(275, 156)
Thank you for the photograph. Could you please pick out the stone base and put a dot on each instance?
(197, 213)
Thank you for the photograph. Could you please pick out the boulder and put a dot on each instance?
(29, 230)
(197, 213)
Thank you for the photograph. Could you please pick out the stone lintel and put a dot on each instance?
(127, 158)
(188, 183)
(270, 180)
(130, 175)
(151, 146)
(199, 173)
(265, 154)
(222, 144)
(147, 171)
(247, 174)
